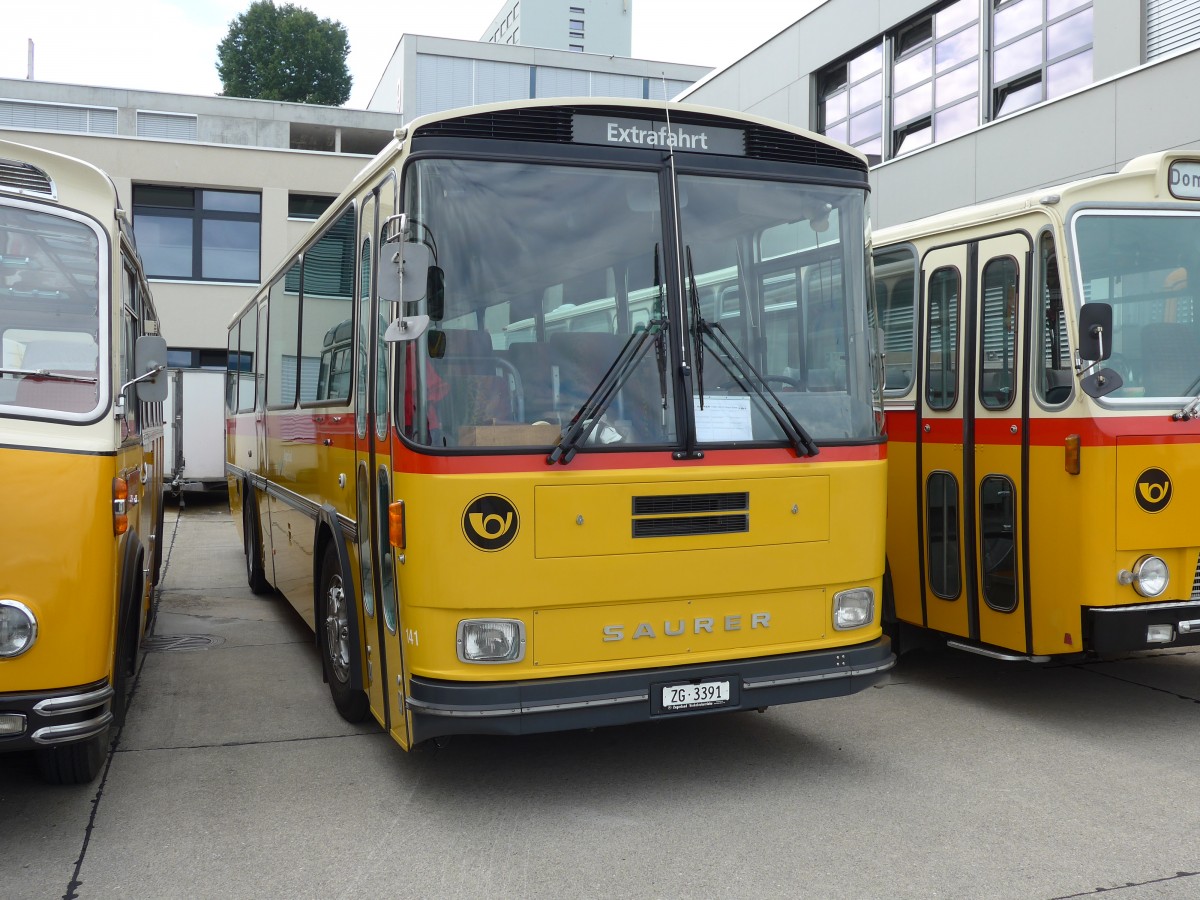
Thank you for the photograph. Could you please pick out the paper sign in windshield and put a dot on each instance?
(723, 419)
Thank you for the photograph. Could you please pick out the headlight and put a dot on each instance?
(18, 628)
(491, 640)
(1150, 576)
(853, 608)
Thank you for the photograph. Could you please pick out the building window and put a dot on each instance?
(1042, 49)
(577, 10)
(307, 206)
(576, 24)
(938, 86)
(935, 78)
(575, 48)
(196, 234)
(852, 101)
(166, 126)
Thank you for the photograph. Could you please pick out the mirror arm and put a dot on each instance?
(119, 404)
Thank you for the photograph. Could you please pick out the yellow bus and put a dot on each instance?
(81, 430)
(1043, 375)
(568, 413)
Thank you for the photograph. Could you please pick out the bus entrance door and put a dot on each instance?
(373, 465)
(971, 435)
(368, 518)
(998, 437)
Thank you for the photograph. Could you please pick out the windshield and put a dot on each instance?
(1139, 261)
(555, 306)
(49, 313)
(778, 271)
(548, 272)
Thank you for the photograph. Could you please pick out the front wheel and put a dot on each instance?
(73, 763)
(256, 575)
(339, 650)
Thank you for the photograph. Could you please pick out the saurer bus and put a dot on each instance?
(81, 431)
(1043, 391)
(569, 414)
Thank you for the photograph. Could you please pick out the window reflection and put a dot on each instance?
(958, 48)
(1017, 57)
(1074, 72)
(955, 16)
(1016, 19)
(1069, 34)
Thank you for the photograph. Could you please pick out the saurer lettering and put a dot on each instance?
(679, 627)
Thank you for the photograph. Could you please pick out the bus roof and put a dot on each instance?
(1143, 178)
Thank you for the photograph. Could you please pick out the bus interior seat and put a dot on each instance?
(532, 361)
(583, 358)
(484, 388)
(1058, 385)
(1174, 348)
(66, 358)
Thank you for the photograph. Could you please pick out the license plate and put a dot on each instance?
(695, 696)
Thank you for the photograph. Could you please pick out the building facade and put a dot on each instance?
(431, 74)
(581, 26)
(219, 188)
(963, 101)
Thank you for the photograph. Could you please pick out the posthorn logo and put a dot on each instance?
(490, 522)
(1153, 490)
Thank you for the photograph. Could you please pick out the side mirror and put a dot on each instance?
(406, 328)
(1095, 331)
(435, 293)
(150, 361)
(404, 269)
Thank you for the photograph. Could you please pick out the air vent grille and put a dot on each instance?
(24, 178)
(784, 146)
(679, 504)
(539, 123)
(687, 526)
(683, 515)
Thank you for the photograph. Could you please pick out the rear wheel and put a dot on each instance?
(339, 650)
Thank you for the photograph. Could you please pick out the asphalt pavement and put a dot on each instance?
(958, 777)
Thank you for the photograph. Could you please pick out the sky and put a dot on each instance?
(171, 45)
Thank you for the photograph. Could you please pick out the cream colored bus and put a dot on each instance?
(81, 430)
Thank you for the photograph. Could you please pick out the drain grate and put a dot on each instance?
(163, 642)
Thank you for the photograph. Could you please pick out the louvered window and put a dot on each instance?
(166, 126)
(1171, 25)
(57, 117)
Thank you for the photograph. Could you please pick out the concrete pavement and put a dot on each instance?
(958, 777)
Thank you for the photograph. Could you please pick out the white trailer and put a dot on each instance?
(195, 433)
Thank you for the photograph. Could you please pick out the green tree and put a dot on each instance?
(284, 53)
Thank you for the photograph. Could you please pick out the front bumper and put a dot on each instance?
(1121, 629)
(559, 704)
(52, 718)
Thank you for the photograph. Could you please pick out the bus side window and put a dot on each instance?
(1054, 377)
(941, 374)
(895, 280)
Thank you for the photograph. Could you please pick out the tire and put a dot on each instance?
(256, 575)
(73, 763)
(339, 651)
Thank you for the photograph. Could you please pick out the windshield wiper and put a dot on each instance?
(598, 401)
(38, 374)
(1192, 408)
(748, 377)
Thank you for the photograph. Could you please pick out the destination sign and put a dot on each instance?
(656, 134)
(1184, 179)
